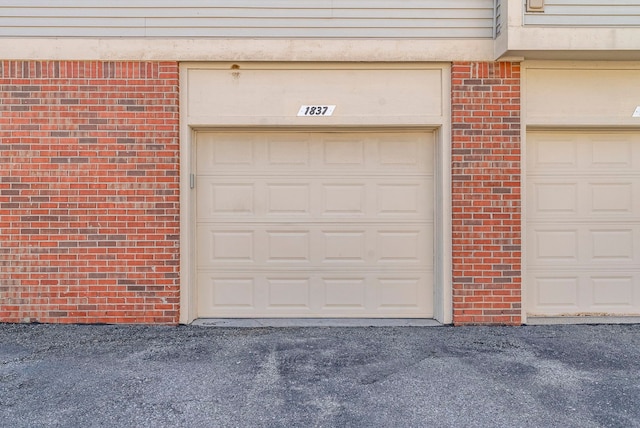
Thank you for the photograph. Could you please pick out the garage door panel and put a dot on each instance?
(406, 246)
(588, 153)
(344, 198)
(554, 293)
(346, 293)
(341, 294)
(612, 293)
(316, 153)
(288, 198)
(552, 198)
(617, 151)
(315, 224)
(226, 292)
(553, 246)
(224, 197)
(612, 152)
(408, 198)
(552, 153)
(583, 223)
(340, 152)
(229, 152)
(565, 293)
(225, 245)
(292, 151)
(402, 292)
(344, 246)
(288, 246)
(591, 292)
(583, 245)
(367, 198)
(314, 245)
(374, 198)
(612, 197)
(613, 244)
(289, 293)
(584, 197)
(406, 151)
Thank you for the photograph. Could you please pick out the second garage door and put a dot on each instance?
(583, 223)
(297, 224)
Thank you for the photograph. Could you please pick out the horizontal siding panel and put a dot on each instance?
(384, 33)
(313, 23)
(193, 14)
(204, 4)
(299, 33)
(581, 13)
(249, 18)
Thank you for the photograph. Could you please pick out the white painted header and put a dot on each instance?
(326, 50)
(587, 95)
(237, 94)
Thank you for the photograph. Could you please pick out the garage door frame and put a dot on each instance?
(439, 125)
(570, 96)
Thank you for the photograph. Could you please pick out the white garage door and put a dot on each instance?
(294, 224)
(583, 223)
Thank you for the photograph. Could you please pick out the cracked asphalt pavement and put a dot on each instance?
(149, 376)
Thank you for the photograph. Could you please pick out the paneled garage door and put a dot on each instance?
(583, 223)
(294, 224)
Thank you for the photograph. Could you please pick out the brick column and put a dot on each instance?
(486, 196)
(89, 192)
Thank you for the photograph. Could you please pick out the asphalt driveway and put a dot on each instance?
(126, 376)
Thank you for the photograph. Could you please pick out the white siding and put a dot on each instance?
(581, 13)
(248, 18)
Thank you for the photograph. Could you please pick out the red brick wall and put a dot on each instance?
(89, 192)
(89, 218)
(486, 193)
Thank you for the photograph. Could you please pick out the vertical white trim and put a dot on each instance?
(187, 277)
(523, 194)
(516, 13)
(443, 298)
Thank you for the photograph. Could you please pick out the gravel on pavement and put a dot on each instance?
(187, 376)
